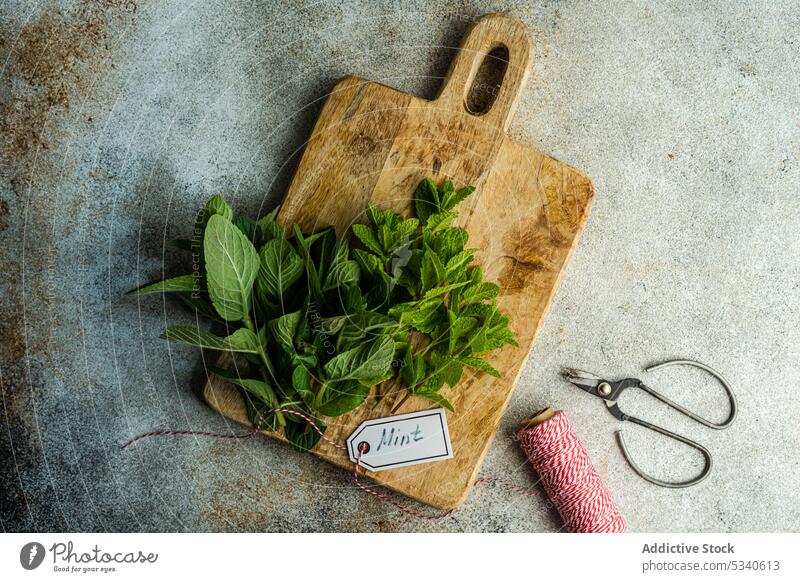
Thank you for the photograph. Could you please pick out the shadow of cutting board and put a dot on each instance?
(373, 144)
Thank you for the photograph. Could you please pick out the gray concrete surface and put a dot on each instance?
(119, 119)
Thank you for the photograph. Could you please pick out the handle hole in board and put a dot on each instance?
(487, 81)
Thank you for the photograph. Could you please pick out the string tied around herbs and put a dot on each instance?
(360, 484)
(558, 455)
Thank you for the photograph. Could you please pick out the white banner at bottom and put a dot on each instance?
(467, 557)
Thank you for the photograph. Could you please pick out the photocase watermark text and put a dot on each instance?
(65, 553)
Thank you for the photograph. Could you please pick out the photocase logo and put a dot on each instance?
(31, 555)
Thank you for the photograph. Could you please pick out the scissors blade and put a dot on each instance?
(584, 380)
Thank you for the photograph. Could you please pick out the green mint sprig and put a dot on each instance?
(321, 322)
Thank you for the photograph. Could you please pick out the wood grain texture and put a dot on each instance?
(374, 144)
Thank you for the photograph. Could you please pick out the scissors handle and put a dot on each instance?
(668, 433)
(687, 412)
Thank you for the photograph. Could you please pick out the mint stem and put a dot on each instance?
(320, 394)
(268, 365)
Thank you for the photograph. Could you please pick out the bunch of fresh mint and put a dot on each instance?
(321, 323)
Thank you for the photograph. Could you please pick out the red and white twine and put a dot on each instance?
(554, 450)
(573, 485)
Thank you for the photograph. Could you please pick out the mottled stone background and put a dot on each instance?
(119, 118)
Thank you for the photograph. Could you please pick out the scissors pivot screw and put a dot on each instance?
(604, 388)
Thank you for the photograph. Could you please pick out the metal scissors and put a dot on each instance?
(609, 391)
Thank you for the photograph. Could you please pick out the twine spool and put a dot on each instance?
(573, 485)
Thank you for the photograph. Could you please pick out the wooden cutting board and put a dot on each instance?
(374, 144)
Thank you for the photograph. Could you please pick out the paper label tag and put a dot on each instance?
(400, 441)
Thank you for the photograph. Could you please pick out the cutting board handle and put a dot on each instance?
(485, 35)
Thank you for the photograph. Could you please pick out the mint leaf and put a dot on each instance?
(217, 205)
(257, 388)
(351, 334)
(375, 215)
(343, 271)
(433, 384)
(313, 272)
(405, 229)
(370, 382)
(451, 198)
(437, 398)
(180, 283)
(280, 267)
(480, 292)
(443, 289)
(448, 242)
(260, 413)
(267, 229)
(424, 317)
(452, 373)
(398, 310)
(302, 435)
(284, 328)
(199, 304)
(369, 263)
(440, 220)
(456, 267)
(479, 364)
(432, 270)
(367, 237)
(366, 361)
(459, 328)
(414, 370)
(494, 333)
(242, 340)
(342, 397)
(246, 225)
(426, 200)
(447, 368)
(301, 382)
(484, 311)
(332, 325)
(231, 268)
